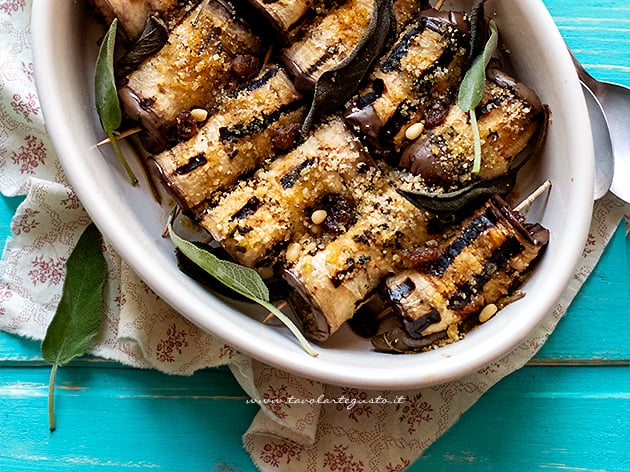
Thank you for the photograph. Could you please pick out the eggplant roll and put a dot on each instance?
(412, 80)
(288, 18)
(256, 220)
(480, 265)
(332, 278)
(200, 63)
(132, 14)
(253, 124)
(509, 117)
(285, 16)
(326, 42)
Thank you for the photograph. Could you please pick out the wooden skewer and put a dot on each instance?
(122, 135)
(203, 6)
(267, 57)
(533, 196)
(271, 315)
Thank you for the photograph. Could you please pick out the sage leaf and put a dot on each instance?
(106, 94)
(337, 85)
(477, 20)
(474, 81)
(444, 204)
(450, 202)
(80, 311)
(241, 279)
(154, 36)
(472, 87)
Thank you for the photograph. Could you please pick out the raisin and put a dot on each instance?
(245, 66)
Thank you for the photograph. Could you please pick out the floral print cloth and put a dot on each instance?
(339, 429)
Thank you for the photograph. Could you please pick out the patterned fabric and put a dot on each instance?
(302, 424)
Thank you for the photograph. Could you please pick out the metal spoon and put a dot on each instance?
(604, 159)
(615, 101)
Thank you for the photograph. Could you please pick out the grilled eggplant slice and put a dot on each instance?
(195, 69)
(412, 81)
(254, 123)
(479, 266)
(256, 221)
(285, 16)
(509, 116)
(327, 41)
(334, 278)
(132, 14)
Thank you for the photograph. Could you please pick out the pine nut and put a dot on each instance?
(488, 312)
(199, 114)
(318, 216)
(414, 131)
(293, 252)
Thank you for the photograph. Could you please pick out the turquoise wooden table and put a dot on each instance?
(568, 409)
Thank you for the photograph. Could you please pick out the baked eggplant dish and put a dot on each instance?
(358, 155)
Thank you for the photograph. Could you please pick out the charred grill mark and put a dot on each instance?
(339, 277)
(363, 167)
(256, 84)
(249, 208)
(480, 224)
(423, 83)
(497, 262)
(392, 62)
(363, 238)
(330, 52)
(415, 327)
(192, 164)
(292, 176)
(273, 255)
(378, 87)
(362, 260)
(401, 291)
(491, 104)
(233, 133)
(213, 200)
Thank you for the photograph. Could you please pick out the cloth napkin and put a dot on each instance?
(141, 330)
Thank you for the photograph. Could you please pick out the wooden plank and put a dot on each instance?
(598, 32)
(8, 205)
(123, 418)
(595, 325)
(542, 418)
(198, 421)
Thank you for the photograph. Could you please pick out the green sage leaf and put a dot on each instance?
(450, 202)
(477, 21)
(474, 81)
(106, 94)
(337, 85)
(241, 279)
(80, 310)
(472, 87)
(476, 142)
(154, 36)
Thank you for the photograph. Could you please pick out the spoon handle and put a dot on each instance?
(583, 75)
